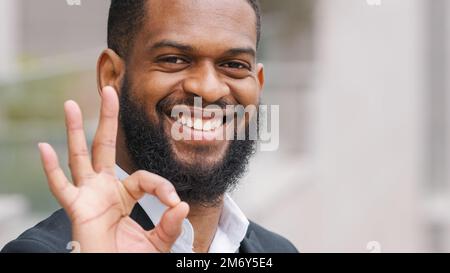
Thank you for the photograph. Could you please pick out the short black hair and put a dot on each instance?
(126, 17)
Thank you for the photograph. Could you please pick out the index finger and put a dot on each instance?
(142, 182)
(104, 144)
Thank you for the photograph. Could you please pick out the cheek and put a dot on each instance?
(154, 87)
(246, 92)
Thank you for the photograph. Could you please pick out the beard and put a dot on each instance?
(150, 150)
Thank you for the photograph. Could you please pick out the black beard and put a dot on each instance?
(150, 150)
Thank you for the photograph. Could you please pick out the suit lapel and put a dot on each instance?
(250, 244)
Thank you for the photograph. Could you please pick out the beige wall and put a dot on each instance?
(8, 32)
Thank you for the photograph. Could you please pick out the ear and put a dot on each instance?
(260, 75)
(110, 70)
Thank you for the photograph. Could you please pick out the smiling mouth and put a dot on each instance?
(202, 125)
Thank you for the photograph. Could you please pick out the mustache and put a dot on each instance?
(166, 105)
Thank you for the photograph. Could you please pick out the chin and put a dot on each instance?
(201, 156)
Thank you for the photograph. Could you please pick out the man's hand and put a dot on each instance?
(98, 204)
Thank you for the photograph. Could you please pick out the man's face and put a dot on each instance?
(187, 49)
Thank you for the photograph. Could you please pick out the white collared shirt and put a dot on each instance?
(231, 231)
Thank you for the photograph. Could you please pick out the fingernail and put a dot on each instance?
(68, 102)
(108, 87)
(173, 198)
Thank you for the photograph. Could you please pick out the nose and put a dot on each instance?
(204, 82)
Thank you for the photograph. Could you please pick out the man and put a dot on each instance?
(161, 54)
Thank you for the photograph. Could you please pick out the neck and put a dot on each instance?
(205, 221)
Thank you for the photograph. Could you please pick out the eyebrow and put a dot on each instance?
(173, 44)
(241, 50)
(187, 48)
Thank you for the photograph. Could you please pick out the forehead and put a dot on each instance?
(201, 23)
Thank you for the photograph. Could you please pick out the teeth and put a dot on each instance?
(207, 126)
(189, 122)
(217, 123)
(198, 124)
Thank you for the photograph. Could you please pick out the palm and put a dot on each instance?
(95, 199)
(98, 204)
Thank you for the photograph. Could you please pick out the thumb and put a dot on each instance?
(164, 235)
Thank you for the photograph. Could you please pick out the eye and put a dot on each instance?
(236, 65)
(173, 60)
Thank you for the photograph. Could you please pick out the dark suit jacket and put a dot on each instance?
(53, 234)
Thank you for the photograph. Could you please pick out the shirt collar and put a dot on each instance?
(233, 224)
